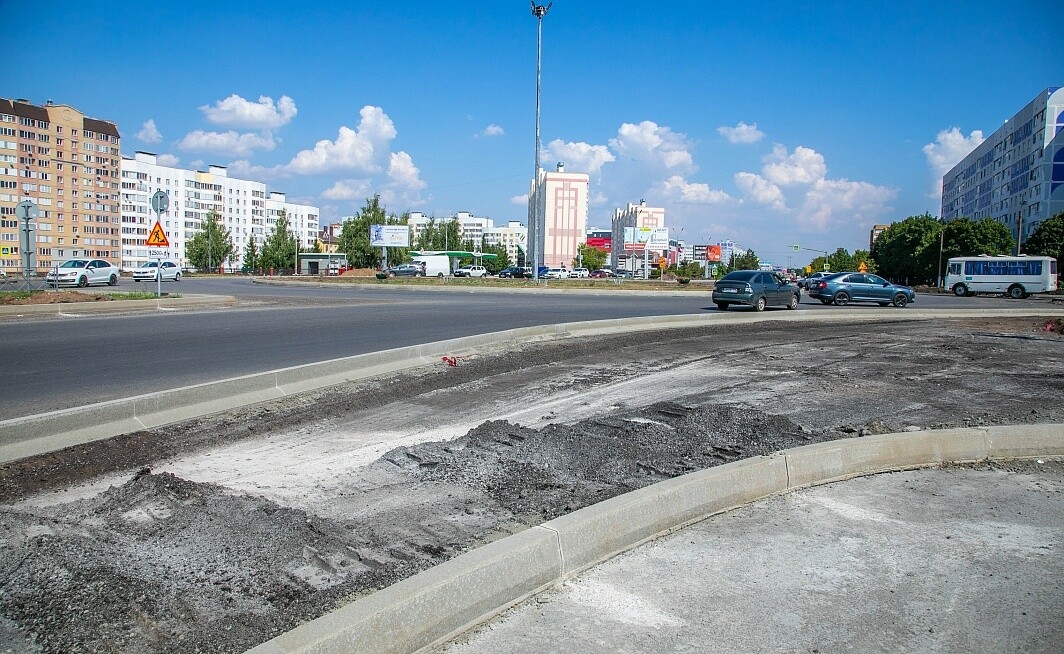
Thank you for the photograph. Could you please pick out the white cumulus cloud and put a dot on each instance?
(229, 143)
(349, 189)
(838, 203)
(235, 111)
(579, 157)
(364, 149)
(679, 189)
(741, 133)
(493, 130)
(167, 160)
(949, 148)
(649, 142)
(761, 190)
(803, 166)
(403, 173)
(149, 133)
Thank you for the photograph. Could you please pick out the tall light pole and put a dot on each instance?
(1019, 228)
(539, 11)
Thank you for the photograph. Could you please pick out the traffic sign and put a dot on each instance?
(157, 237)
(26, 210)
(160, 201)
(862, 267)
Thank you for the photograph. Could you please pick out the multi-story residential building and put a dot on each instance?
(68, 165)
(633, 216)
(1016, 175)
(244, 208)
(561, 199)
(513, 237)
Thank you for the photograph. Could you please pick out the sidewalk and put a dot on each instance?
(940, 560)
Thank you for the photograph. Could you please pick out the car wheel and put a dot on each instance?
(113, 280)
(960, 290)
(1016, 292)
(440, 275)
(841, 298)
(760, 304)
(900, 300)
(177, 277)
(418, 275)
(83, 281)
(723, 306)
(793, 304)
(391, 274)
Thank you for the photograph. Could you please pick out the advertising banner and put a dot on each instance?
(389, 236)
(713, 253)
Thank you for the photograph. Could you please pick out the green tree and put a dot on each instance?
(965, 237)
(354, 236)
(1048, 239)
(500, 261)
(907, 251)
(252, 258)
(442, 235)
(280, 248)
(593, 258)
(211, 246)
(745, 260)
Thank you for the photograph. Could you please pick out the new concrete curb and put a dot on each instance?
(37, 434)
(85, 309)
(434, 606)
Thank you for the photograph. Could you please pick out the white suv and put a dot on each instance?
(580, 272)
(556, 273)
(471, 271)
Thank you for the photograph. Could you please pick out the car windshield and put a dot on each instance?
(149, 264)
(74, 263)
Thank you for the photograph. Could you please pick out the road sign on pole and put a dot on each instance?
(160, 202)
(157, 237)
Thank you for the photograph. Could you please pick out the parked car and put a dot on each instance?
(471, 271)
(627, 274)
(149, 271)
(755, 288)
(580, 272)
(406, 270)
(555, 273)
(602, 273)
(844, 288)
(84, 272)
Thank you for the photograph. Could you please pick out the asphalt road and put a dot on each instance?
(50, 364)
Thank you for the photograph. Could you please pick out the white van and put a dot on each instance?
(436, 265)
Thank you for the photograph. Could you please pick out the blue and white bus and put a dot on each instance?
(1016, 277)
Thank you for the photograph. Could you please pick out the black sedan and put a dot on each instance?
(755, 288)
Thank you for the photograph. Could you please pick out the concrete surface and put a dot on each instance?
(41, 433)
(853, 573)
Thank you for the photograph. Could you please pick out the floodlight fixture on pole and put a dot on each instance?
(539, 11)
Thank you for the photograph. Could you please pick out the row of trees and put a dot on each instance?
(212, 247)
(915, 250)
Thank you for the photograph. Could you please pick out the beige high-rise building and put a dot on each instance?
(68, 165)
(562, 199)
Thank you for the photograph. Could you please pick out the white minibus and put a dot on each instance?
(1016, 277)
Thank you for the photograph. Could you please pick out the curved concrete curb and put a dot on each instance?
(434, 606)
(47, 432)
(81, 309)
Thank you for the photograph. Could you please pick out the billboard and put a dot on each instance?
(600, 242)
(712, 253)
(389, 236)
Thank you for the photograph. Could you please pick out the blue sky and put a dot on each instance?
(766, 123)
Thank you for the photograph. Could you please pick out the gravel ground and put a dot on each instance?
(215, 535)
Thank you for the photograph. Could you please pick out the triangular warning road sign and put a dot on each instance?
(157, 238)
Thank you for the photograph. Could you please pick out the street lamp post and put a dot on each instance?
(539, 11)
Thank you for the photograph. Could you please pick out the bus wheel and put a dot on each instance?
(1016, 292)
(960, 290)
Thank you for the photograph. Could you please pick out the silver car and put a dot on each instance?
(149, 271)
(84, 272)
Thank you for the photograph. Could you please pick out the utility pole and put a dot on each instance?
(539, 11)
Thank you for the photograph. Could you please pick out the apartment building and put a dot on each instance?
(1015, 176)
(513, 237)
(245, 208)
(632, 216)
(68, 165)
(561, 199)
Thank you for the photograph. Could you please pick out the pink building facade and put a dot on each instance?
(562, 199)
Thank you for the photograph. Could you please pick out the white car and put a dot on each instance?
(556, 273)
(471, 271)
(580, 272)
(84, 272)
(149, 271)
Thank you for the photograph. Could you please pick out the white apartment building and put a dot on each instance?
(245, 209)
(633, 216)
(513, 237)
(561, 199)
(1015, 176)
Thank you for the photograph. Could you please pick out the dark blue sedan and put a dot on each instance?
(844, 288)
(754, 288)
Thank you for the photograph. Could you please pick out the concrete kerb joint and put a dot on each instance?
(566, 546)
